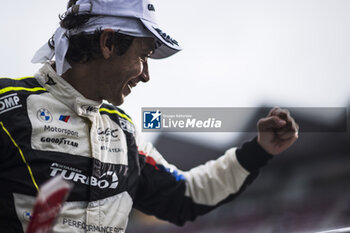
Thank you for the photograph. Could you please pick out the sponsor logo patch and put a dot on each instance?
(88, 109)
(9, 102)
(151, 7)
(59, 141)
(111, 150)
(27, 215)
(90, 227)
(108, 179)
(55, 129)
(50, 81)
(166, 37)
(44, 115)
(108, 134)
(126, 125)
(64, 118)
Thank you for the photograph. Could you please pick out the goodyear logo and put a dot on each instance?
(9, 102)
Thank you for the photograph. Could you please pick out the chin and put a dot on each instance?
(117, 101)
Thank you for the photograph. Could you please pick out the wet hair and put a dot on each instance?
(84, 47)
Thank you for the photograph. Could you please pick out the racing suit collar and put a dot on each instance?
(66, 93)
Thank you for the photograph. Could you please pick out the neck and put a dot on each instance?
(83, 78)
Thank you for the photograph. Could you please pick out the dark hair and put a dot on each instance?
(85, 47)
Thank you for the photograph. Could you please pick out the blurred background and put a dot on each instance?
(236, 53)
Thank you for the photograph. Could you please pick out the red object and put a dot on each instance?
(149, 159)
(48, 205)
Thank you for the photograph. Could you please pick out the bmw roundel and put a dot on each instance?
(27, 215)
(44, 115)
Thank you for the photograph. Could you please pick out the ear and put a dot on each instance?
(107, 48)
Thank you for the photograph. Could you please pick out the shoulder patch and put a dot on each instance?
(9, 102)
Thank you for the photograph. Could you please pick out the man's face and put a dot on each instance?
(122, 73)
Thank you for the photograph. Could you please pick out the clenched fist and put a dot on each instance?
(277, 131)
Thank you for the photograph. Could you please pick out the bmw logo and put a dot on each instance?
(27, 215)
(44, 115)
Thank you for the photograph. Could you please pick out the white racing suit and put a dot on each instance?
(47, 128)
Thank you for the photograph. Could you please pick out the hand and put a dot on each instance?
(277, 131)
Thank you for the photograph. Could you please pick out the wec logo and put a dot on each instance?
(9, 102)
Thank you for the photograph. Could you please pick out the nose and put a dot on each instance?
(145, 74)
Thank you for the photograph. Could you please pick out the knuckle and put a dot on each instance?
(273, 110)
(283, 114)
(275, 119)
(258, 123)
(286, 111)
(261, 122)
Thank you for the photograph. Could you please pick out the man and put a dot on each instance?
(59, 123)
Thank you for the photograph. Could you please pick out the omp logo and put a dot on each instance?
(9, 102)
(109, 179)
(59, 141)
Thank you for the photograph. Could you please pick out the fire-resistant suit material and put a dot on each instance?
(47, 128)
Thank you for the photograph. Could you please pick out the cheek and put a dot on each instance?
(132, 71)
(137, 68)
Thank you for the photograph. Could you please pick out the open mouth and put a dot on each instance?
(131, 84)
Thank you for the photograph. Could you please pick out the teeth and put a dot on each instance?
(129, 86)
